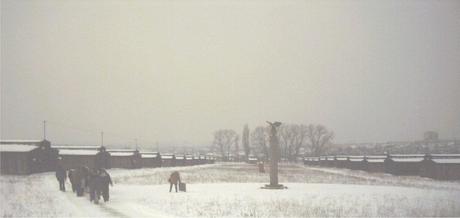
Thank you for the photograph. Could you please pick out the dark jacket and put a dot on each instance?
(61, 173)
(174, 178)
(102, 160)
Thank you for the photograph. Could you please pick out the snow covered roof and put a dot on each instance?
(410, 159)
(356, 158)
(77, 147)
(17, 148)
(376, 157)
(167, 156)
(180, 157)
(149, 155)
(20, 141)
(77, 152)
(407, 155)
(375, 160)
(121, 154)
(121, 150)
(447, 160)
(445, 155)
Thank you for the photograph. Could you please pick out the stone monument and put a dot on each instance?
(275, 154)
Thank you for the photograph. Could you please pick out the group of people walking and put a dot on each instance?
(83, 179)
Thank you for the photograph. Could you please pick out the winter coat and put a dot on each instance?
(102, 160)
(174, 178)
(103, 180)
(61, 174)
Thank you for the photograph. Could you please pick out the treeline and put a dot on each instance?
(295, 140)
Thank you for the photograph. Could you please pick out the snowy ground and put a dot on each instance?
(233, 190)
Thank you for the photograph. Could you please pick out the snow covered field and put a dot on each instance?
(233, 190)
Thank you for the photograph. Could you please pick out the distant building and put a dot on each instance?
(150, 159)
(125, 158)
(22, 157)
(168, 160)
(74, 158)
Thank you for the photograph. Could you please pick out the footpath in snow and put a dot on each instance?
(233, 190)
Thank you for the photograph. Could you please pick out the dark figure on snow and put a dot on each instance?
(99, 181)
(79, 178)
(92, 185)
(174, 179)
(71, 175)
(61, 175)
(102, 159)
(103, 183)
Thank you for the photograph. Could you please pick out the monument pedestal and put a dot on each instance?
(279, 186)
(275, 154)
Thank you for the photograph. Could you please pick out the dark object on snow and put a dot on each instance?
(182, 187)
(99, 185)
(61, 175)
(102, 159)
(92, 185)
(174, 179)
(103, 183)
(79, 179)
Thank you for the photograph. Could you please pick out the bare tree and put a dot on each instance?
(292, 138)
(237, 148)
(259, 139)
(301, 140)
(319, 137)
(223, 140)
(245, 141)
(286, 135)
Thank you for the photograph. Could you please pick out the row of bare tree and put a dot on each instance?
(295, 140)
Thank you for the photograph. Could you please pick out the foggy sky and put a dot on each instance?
(174, 71)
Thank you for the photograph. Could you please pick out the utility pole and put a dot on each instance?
(102, 138)
(44, 129)
(136, 142)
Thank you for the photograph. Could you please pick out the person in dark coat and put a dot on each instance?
(79, 179)
(61, 176)
(104, 181)
(174, 178)
(71, 175)
(102, 159)
(94, 190)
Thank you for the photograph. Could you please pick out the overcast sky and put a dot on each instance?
(175, 71)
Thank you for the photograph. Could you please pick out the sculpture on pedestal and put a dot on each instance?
(275, 154)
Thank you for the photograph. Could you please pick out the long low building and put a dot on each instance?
(74, 158)
(22, 157)
(404, 164)
(441, 166)
(375, 163)
(168, 160)
(17, 159)
(125, 158)
(436, 166)
(150, 159)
